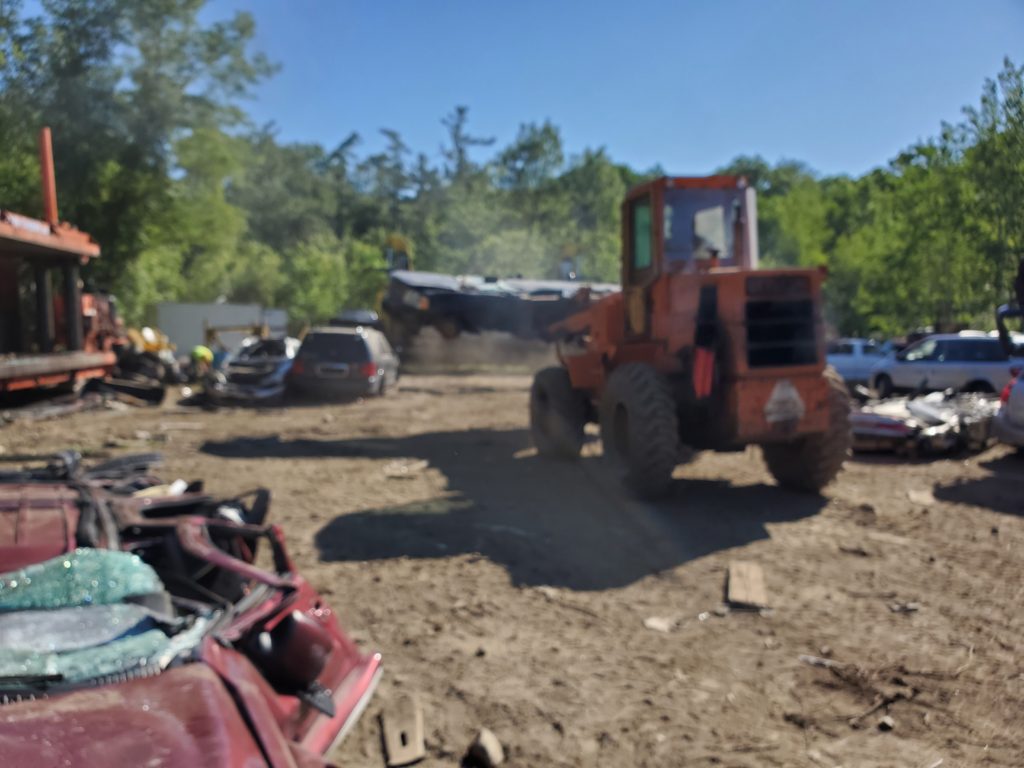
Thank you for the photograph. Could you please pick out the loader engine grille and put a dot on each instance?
(780, 332)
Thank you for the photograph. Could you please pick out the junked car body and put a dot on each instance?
(257, 373)
(137, 629)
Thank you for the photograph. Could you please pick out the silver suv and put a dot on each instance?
(968, 361)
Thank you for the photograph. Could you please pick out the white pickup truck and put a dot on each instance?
(853, 359)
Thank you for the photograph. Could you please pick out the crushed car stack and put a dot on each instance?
(939, 422)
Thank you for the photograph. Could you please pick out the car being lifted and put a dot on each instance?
(136, 628)
(471, 304)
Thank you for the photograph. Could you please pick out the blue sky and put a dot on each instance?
(688, 85)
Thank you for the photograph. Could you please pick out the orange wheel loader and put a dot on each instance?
(699, 351)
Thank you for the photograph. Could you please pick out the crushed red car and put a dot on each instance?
(138, 626)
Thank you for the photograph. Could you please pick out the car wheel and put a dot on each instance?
(883, 385)
(979, 386)
(448, 327)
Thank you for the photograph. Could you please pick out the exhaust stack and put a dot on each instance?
(49, 180)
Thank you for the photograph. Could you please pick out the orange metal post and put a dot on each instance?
(49, 180)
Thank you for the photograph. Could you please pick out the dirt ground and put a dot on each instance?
(511, 592)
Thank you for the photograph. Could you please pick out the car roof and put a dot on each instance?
(342, 330)
(962, 336)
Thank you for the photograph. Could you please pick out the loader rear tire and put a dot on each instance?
(558, 414)
(810, 463)
(640, 430)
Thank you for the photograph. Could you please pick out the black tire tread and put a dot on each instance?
(811, 463)
(557, 414)
(887, 389)
(654, 449)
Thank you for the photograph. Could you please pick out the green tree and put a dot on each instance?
(316, 279)
(460, 167)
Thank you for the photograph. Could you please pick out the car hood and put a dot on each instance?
(183, 718)
(257, 370)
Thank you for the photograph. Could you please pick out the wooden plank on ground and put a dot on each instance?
(746, 585)
(402, 723)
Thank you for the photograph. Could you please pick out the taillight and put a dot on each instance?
(1005, 394)
(369, 370)
(298, 367)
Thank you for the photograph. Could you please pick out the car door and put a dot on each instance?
(950, 364)
(994, 365)
(388, 361)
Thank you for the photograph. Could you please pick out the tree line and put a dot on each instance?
(157, 158)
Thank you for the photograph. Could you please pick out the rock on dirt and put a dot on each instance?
(659, 623)
(485, 751)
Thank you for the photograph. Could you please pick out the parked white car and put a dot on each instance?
(970, 361)
(853, 359)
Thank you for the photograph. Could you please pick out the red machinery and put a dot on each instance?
(42, 343)
(700, 351)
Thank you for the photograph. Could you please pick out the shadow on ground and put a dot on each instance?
(1001, 491)
(558, 523)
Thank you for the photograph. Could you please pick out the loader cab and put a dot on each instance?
(684, 224)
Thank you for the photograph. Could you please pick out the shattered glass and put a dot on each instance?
(65, 620)
(71, 629)
(127, 654)
(84, 577)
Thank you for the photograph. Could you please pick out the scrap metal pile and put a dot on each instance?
(939, 422)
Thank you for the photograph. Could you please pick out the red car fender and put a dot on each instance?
(255, 698)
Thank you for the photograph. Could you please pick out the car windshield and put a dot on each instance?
(343, 347)
(266, 348)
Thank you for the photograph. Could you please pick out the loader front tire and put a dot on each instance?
(810, 463)
(640, 430)
(558, 414)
